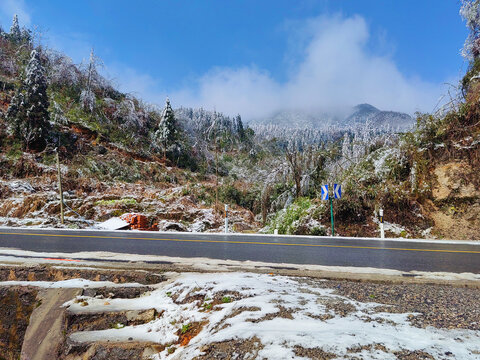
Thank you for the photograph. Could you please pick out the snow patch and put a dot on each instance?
(71, 283)
(253, 312)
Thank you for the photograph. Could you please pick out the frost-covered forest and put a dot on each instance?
(270, 169)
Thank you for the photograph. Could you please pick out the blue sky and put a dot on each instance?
(255, 57)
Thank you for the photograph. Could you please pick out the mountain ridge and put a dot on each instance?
(357, 115)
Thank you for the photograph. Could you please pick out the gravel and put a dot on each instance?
(439, 306)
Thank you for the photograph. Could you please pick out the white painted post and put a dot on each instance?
(59, 174)
(382, 232)
(226, 219)
(275, 232)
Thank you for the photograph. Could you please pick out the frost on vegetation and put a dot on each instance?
(470, 12)
(282, 312)
(20, 186)
(384, 160)
(128, 116)
(299, 217)
(62, 70)
(115, 202)
(87, 99)
(58, 114)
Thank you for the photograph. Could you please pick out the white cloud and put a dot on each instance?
(77, 46)
(330, 68)
(131, 81)
(8, 8)
(335, 70)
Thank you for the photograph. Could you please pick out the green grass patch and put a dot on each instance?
(115, 202)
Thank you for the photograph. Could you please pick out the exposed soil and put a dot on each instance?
(16, 306)
(105, 351)
(107, 320)
(313, 353)
(50, 273)
(45, 332)
(232, 349)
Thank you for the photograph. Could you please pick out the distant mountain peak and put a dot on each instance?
(365, 107)
(357, 115)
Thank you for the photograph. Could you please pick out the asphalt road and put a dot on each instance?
(402, 255)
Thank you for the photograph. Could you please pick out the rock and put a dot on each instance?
(140, 316)
(241, 226)
(89, 292)
(171, 226)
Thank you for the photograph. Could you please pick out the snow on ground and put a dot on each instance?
(282, 312)
(387, 226)
(71, 283)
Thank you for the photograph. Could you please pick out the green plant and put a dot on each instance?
(185, 328)
(226, 299)
(318, 231)
(15, 152)
(126, 201)
(207, 306)
(285, 220)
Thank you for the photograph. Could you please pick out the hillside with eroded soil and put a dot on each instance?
(177, 167)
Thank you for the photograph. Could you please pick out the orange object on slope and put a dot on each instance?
(138, 222)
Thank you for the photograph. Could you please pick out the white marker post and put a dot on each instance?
(382, 232)
(226, 219)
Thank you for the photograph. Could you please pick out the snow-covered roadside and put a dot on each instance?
(97, 258)
(284, 313)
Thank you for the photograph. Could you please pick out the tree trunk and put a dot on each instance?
(298, 184)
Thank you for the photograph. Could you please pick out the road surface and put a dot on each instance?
(404, 255)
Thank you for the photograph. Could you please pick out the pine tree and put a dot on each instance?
(15, 33)
(166, 133)
(239, 127)
(27, 114)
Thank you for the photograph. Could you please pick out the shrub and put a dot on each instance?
(285, 220)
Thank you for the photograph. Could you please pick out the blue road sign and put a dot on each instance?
(337, 191)
(324, 192)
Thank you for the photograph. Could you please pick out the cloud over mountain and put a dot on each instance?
(334, 70)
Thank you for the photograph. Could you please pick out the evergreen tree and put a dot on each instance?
(27, 114)
(166, 133)
(239, 127)
(26, 35)
(15, 33)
